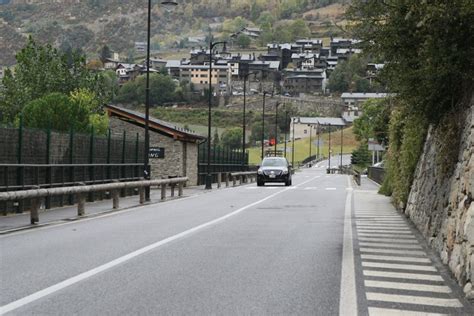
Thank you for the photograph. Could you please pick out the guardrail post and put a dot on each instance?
(241, 179)
(219, 178)
(34, 214)
(163, 191)
(226, 176)
(141, 193)
(233, 181)
(172, 189)
(180, 188)
(115, 199)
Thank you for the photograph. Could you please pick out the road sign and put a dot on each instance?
(156, 152)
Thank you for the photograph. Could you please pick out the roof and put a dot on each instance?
(363, 95)
(333, 121)
(156, 125)
(173, 63)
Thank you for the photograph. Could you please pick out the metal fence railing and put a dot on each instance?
(376, 174)
(221, 160)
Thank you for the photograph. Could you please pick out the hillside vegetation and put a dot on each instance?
(89, 24)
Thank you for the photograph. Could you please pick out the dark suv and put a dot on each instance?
(274, 169)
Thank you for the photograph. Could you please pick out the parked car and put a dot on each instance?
(274, 169)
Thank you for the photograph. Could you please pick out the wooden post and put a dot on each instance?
(180, 188)
(163, 191)
(141, 193)
(172, 189)
(219, 178)
(34, 214)
(233, 181)
(81, 201)
(241, 179)
(226, 175)
(115, 199)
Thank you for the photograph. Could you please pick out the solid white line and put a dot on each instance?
(389, 245)
(393, 251)
(400, 275)
(348, 298)
(392, 258)
(330, 189)
(85, 275)
(398, 266)
(408, 286)
(418, 300)
(376, 311)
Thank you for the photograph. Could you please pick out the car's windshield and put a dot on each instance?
(274, 163)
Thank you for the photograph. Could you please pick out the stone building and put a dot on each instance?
(173, 150)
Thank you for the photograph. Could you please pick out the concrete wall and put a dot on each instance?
(441, 205)
(181, 159)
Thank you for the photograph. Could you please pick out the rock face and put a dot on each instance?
(441, 205)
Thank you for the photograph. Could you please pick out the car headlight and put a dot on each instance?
(285, 171)
(259, 171)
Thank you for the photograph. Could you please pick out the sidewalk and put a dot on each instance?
(14, 222)
(397, 273)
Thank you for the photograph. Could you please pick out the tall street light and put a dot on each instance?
(276, 127)
(263, 125)
(169, 6)
(286, 121)
(244, 124)
(293, 143)
(310, 140)
(208, 175)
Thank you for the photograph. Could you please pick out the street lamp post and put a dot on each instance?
(319, 138)
(286, 121)
(208, 175)
(310, 140)
(293, 144)
(263, 125)
(276, 128)
(244, 124)
(329, 154)
(169, 5)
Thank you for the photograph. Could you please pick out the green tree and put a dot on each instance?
(299, 29)
(162, 90)
(42, 70)
(374, 121)
(243, 41)
(428, 49)
(104, 53)
(232, 138)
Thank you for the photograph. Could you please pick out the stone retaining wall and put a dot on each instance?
(441, 206)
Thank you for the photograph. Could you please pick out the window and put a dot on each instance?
(306, 131)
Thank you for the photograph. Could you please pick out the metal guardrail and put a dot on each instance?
(376, 174)
(80, 191)
(243, 177)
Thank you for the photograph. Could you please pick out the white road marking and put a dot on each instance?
(389, 245)
(395, 241)
(400, 275)
(408, 286)
(310, 188)
(376, 311)
(330, 189)
(348, 297)
(392, 258)
(399, 266)
(85, 275)
(378, 216)
(384, 231)
(393, 251)
(418, 300)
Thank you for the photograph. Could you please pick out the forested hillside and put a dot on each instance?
(90, 24)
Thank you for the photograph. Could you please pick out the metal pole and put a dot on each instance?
(208, 175)
(342, 140)
(263, 124)
(293, 144)
(286, 120)
(276, 128)
(310, 134)
(243, 121)
(329, 166)
(319, 138)
(146, 171)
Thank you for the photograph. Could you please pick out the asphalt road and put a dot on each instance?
(246, 250)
